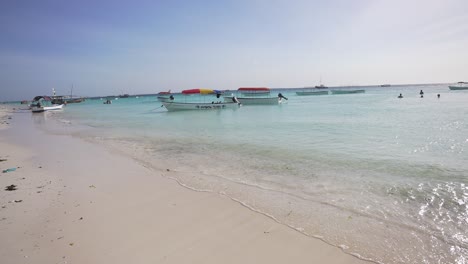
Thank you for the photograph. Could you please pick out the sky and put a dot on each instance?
(111, 47)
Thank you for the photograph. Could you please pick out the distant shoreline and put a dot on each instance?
(273, 89)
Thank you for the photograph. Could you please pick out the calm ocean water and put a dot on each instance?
(385, 179)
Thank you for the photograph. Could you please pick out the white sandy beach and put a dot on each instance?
(79, 203)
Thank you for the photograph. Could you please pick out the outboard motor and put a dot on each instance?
(234, 99)
(282, 96)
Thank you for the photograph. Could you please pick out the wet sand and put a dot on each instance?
(77, 202)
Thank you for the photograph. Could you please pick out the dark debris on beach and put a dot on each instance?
(11, 188)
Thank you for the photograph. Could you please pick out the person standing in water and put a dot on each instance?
(400, 96)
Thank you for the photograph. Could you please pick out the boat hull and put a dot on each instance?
(36, 109)
(259, 100)
(177, 106)
(458, 87)
(347, 92)
(255, 94)
(312, 93)
(163, 98)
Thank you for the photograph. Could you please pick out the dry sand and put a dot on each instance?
(78, 203)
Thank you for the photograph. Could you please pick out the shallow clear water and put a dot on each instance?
(384, 178)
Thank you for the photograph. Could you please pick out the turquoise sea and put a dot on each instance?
(383, 178)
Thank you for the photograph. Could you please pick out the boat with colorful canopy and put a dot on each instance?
(206, 95)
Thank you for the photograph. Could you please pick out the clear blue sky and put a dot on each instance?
(112, 47)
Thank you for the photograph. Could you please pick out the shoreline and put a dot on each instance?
(82, 204)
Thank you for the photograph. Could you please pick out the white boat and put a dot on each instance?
(459, 86)
(172, 105)
(42, 104)
(163, 98)
(259, 100)
(178, 106)
(257, 96)
(37, 109)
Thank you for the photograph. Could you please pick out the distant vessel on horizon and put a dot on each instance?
(459, 86)
(168, 92)
(65, 99)
(385, 85)
(321, 86)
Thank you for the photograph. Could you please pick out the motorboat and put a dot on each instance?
(257, 96)
(43, 103)
(165, 93)
(180, 106)
(254, 91)
(38, 109)
(459, 86)
(164, 96)
(188, 104)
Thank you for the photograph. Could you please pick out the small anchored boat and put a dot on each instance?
(459, 86)
(172, 105)
(257, 96)
(163, 93)
(164, 96)
(42, 104)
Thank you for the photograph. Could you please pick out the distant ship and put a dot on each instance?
(385, 85)
(168, 92)
(321, 86)
(124, 96)
(459, 86)
(65, 99)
